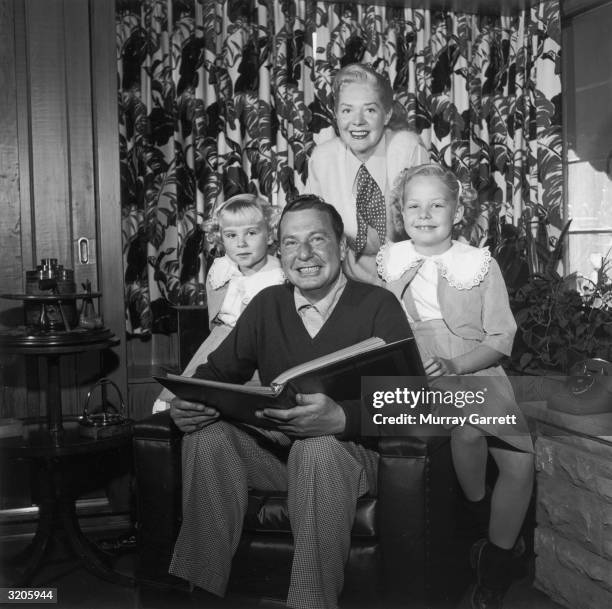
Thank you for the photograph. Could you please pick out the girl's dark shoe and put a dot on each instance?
(485, 598)
(495, 569)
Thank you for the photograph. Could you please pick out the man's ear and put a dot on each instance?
(458, 214)
(343, 248)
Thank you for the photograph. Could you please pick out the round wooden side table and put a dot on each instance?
(51, 346)
(55, 446)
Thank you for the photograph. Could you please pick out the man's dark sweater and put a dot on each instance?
(270, 336)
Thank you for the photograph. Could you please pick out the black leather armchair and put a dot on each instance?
(408, 547)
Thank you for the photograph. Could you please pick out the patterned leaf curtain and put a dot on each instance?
(219, 97)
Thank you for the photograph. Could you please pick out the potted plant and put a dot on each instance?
(559, 322)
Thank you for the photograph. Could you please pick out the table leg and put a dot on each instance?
(89, 555)
(54, 399)
(58, 522)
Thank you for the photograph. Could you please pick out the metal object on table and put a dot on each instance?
(105, 420)
(42, 303)
(51, 279)
(26, 340)
(88, 318)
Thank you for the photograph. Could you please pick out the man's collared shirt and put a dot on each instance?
(315, 315)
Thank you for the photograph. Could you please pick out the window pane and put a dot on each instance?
(589, 190)
(584, 246)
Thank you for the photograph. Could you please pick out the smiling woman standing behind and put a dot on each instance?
(356, 171)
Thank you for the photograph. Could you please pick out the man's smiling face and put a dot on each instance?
(311, 254)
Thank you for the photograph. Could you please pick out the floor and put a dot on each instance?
(78, 589)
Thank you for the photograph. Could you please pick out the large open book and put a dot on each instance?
(337, 375)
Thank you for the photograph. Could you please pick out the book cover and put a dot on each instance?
(337, 375)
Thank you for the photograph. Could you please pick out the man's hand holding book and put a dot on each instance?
(314, 415)
(191, 416)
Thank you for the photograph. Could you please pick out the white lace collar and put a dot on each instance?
(462, 265)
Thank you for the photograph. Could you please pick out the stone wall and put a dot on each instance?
(573, 540)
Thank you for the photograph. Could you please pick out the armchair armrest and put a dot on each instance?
(159, 426)
(157, 464)
(417, 521)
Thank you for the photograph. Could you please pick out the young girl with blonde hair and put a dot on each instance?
(457, 304)
(244, 227)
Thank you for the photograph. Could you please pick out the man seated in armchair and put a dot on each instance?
(326, 468)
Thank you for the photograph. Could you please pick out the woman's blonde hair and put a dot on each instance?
(241, 204)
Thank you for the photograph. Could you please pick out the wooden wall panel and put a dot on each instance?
(85, 367)
(10, 205)
(13, 395)
(80, 136)
(48, 119)
(48, 95)
(107, 176)
(28, 258)
(47, 193)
